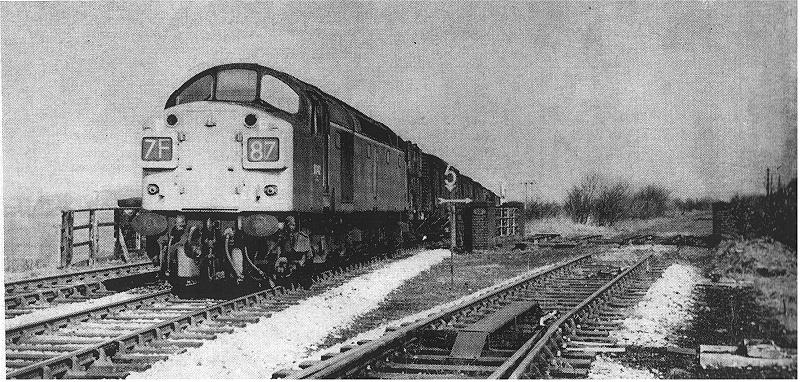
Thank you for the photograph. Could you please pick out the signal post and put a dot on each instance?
(450, 184)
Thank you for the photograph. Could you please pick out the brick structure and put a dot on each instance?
(479, 225)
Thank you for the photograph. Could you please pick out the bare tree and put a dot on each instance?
(578, 204)
(650, 201)
(612, 202)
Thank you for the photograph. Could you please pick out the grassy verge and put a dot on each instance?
(772, 269)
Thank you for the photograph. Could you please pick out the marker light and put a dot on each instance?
(271, 190)
(172, 120)
(152, 189)
(250, 120)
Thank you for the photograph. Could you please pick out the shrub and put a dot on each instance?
(578, 204)
(612, 203)
(650, 201)
(541, 209)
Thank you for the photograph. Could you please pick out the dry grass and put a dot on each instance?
(696, 223)
(771, 267)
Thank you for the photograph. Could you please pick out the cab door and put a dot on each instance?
(321, 173)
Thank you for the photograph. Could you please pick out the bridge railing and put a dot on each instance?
(91, 220)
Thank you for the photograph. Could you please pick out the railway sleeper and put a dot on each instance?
(592, 333)
(11, 313)
(113, 326)
(138, 358)
(385, 375)
(144, 349)
(188, 335)
(436, 359)
(140, 315)
(43, 347)
(307, 363)
(249, 319)
(435, 368)
(70, 299)
(16, 364)
(65, 340)
(96, 374)
(80, 332)
(576, 348)
(568, 372)
(576, 362)
(31, 355)
(594, 339)
(211, 329)
(170, 342)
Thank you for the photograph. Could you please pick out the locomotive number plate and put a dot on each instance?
(157, 149)
(263, 149)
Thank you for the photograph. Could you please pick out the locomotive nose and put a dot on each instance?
(217, 156)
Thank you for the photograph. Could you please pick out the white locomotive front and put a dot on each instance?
(214, 151)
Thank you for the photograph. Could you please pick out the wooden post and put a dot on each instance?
(123, 245)
(119, 239)
(67, 219)
(94, 237)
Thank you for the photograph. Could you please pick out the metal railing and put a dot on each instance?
(125, 239)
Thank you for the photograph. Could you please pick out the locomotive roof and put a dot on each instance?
(288, 78)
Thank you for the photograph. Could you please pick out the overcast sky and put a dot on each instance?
(701, 97)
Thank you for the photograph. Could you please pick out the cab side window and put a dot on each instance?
(278, 94)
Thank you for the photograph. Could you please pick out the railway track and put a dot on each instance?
(499, 335)
(28, 295)
(113, 340)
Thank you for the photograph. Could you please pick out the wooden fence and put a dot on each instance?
(125, 239)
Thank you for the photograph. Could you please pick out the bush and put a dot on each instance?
(578, 204)
(541, 209)
(649, 202)
(761, 215)
(612, 203)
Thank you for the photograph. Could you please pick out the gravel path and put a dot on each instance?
(258, 350)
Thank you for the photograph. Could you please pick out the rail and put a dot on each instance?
(77, 360)
(338, 367)
(532, 354)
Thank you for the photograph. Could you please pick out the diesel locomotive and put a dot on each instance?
(252, 173)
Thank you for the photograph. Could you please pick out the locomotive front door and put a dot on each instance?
(205, 164)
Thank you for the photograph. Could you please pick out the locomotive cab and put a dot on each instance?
(224, 143)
